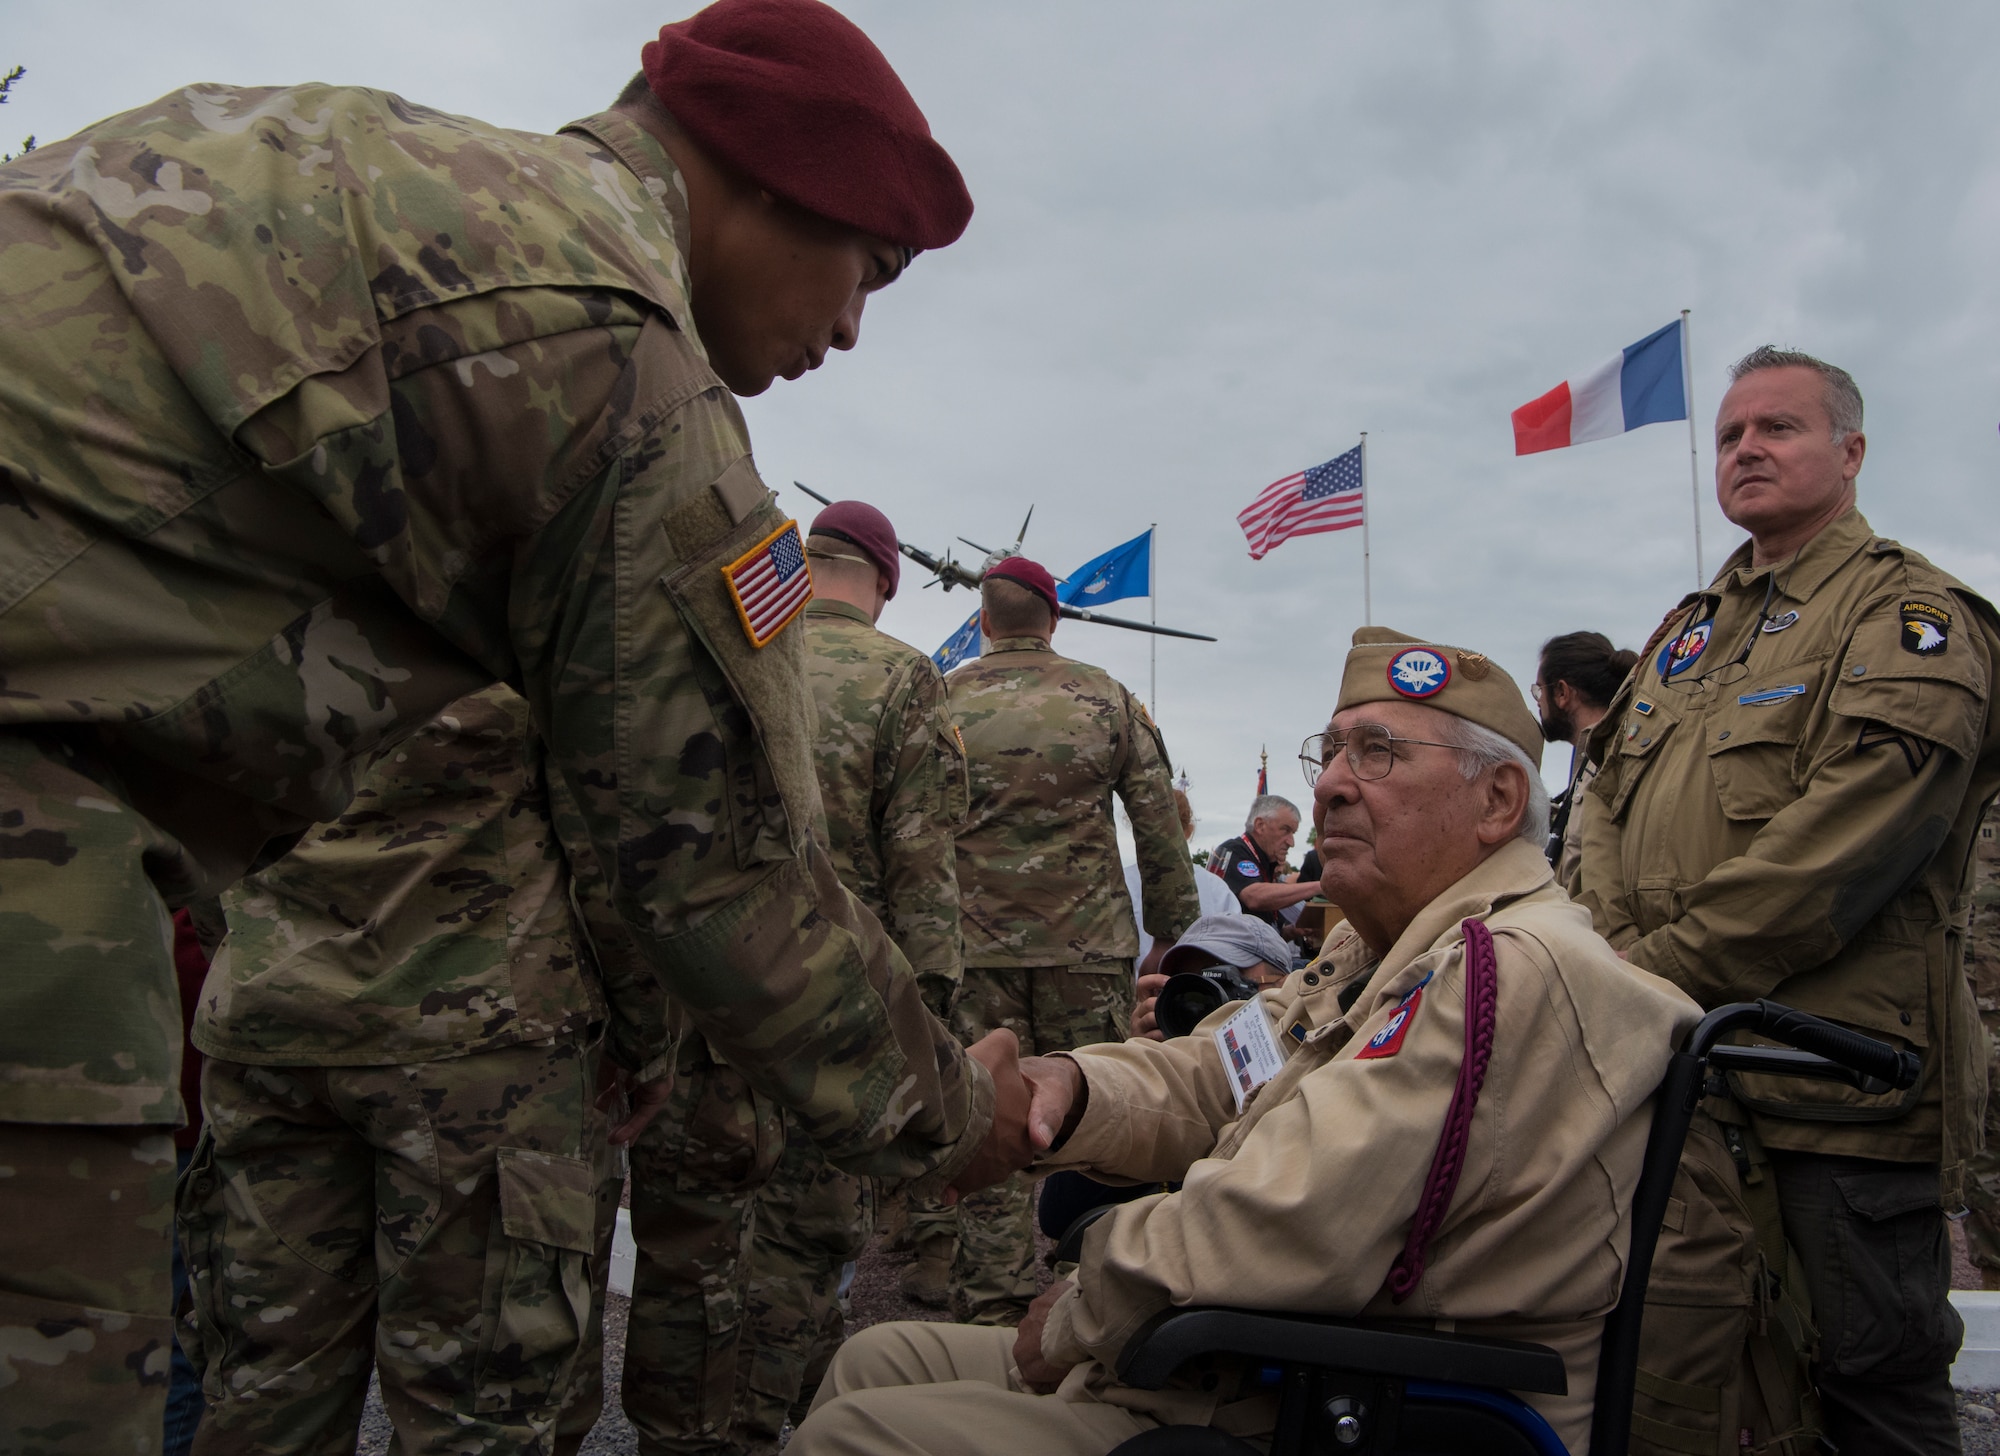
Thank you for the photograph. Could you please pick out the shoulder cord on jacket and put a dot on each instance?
(1482, 1006)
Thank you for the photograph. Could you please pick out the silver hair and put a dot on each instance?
(1265, 805)
(1841, 394)
(1480, 748)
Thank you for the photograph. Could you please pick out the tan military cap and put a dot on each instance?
(1387, 667)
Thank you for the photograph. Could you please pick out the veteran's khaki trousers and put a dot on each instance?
(916, 1389)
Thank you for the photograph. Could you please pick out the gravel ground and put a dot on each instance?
(876, 1298)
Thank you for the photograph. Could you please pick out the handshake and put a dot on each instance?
(1037, 1103)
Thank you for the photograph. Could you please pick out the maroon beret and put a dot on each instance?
(863, 527)
(1030, 574)
(794, 96)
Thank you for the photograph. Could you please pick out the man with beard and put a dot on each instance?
(1579, 674)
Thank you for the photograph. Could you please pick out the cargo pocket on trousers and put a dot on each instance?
(1893, 1321)
(541, 1306)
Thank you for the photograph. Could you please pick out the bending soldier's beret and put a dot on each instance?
(1386, 667)
(866, 529)
(794, 96)
(1030, 574)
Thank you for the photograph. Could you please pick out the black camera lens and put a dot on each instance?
(1190, 996)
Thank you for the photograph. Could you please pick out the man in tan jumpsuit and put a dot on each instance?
(1791, 783)
(1432, 814)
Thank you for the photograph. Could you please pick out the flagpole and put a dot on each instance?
(1694, 459)
(1153, 600)
(1367, 595)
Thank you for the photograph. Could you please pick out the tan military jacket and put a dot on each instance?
(1792, 815)
(431, 919)
(324, 409)
(1048, 741)
(892, 779)
(1304, 1201)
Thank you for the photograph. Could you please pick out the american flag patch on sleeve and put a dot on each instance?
(770, 583)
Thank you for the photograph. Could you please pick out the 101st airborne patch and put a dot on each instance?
(1926, 629)
(770, 583)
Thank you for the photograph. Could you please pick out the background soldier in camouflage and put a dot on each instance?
(1982, 964)
(722, 1351)
(404, 1166)
(323, 409)
(1050, 932)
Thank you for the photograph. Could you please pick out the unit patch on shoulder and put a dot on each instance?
(1389, 1040)
(770, 583)
(1926, 629)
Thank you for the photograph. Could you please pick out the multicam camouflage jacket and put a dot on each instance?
(429, 920)
(892, 778)
(319, 410)
(1048, 741)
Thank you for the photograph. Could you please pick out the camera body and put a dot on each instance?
(1190, 996)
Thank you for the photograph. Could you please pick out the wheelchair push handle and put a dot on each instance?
(1859, 1053)
(1852, 1049)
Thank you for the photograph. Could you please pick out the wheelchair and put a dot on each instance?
(1355, 1388)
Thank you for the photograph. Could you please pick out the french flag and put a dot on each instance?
(1643, 385)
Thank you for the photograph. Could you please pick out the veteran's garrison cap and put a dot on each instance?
(1386, 667)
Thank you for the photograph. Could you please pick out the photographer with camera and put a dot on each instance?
(1222, 958)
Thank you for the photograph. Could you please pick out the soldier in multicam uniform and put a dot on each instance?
(1049, 927)
(406, 1168)
(321, 410)
(1982, 963)
(718, 1227)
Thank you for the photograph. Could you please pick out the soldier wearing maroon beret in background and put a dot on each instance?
(321, 410)
(1049, 928)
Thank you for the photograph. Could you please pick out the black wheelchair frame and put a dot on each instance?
(1348, 1387)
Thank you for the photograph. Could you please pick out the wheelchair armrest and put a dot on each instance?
(1173, 1337)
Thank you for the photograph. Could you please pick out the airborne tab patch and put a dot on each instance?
(1926, 629)
(770, 583)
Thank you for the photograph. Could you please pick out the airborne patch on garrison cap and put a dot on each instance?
(1418, 672)
(1926, 629)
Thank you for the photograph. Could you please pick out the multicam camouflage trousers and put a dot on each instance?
(447, 1223)
(85, 1339)
(742, 1231)
(695, 1171)
(1051, 1009)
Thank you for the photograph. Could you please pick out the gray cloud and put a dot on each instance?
(1216, 242)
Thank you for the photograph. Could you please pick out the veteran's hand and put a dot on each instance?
(1144, 1022)
(1058, 1095)
(1038, 1374)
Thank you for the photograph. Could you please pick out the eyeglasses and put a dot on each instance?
(1370, 750)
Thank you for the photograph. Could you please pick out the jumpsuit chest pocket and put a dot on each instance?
(1647, 726)
(1752, 740)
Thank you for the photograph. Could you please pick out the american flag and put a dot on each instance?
(770, 583)
(1324, 498)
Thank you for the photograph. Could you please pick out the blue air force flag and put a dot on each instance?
(1123, 571)
(962, 644)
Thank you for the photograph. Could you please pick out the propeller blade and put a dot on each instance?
(977, 547)
(1081, 615)
(813, 493)
(1024, 526)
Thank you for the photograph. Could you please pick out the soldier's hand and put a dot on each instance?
(1144, 1023)
(1037, 1373)
(1007, 1148)
(643, 1101)
(1057, 1097)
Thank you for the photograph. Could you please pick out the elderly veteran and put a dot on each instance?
(1432, 815)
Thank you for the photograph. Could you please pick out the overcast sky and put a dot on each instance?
(1215, 242)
